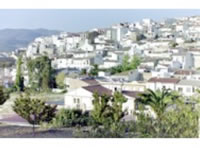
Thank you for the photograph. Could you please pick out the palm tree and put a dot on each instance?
(158, 100)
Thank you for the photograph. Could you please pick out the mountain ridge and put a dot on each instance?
(11, 39)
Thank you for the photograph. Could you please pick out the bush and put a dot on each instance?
(181, 122)
(71, 118)
(34, 111)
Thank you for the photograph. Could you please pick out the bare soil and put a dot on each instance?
(7, 131)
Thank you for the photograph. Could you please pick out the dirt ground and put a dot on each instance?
(8, 131)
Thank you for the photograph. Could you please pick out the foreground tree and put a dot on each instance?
(107, 114)
(158, 100)
(101, 111)
(70, 118)
(173, 119)
(179, 122)
(35, 111)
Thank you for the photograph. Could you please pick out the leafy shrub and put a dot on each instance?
(181, 122)
(71, 118)
(34, 111)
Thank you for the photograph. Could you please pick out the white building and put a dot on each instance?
(188, 87)
(161, 83)
(82, 98)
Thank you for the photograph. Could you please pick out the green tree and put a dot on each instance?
(60, 80)
(117, 102)
(101, 110)
(70, 118)
(35, 111)
(179, 122)
(173, 44)
(107, 114)
(135, 62)
(40, 73)
(158, 100)
(3, 95)
(125, 63)
(83, 72)
(117, 113)
(94, 71)
(19, 82)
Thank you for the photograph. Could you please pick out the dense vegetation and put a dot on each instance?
(4, 95)
(158, 114)
(35, 111)
(126, 65)
(40, 73)
(173, 118)
(71, 118)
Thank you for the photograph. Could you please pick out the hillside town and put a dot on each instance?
(127, 57)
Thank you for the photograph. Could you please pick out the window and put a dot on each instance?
(193, 89)
(115, 89)
(180, 89)
(164, 87)
(76, 100)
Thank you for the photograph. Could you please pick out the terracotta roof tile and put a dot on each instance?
(164, 80)
(184, 72)
(91, 81)
(99, 89)
(133, 94)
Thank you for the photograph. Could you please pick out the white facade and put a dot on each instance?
(160, 83)
(188, 87)
(82, 99)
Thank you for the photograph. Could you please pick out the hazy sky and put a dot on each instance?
(75, 20)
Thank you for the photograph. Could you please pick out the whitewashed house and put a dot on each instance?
(82, 63)
(109, 63)
(162, 83)
(82, 98)
(188, 87)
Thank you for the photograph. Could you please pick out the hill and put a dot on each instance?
(10, 39)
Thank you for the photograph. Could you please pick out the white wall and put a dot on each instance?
(158, 85)
(84, 96)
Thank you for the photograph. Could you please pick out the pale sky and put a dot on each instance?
(75, 20)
